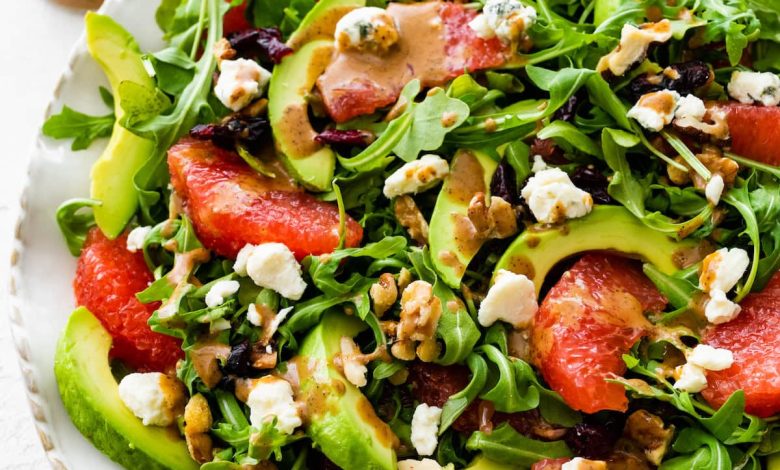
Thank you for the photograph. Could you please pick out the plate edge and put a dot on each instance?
(19, 333)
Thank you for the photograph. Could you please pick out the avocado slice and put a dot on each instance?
(342, 423)
(118, 54)
(310, 163)
(613, 228)
(481, 462)
(320, 22)
(452, 249)
(91, 396)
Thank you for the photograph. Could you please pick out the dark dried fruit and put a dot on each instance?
(591, 180)
(549, 151)
(352, 137)
(592, 440)
(265, 44)
(690, 75)
(504, 184)
(245, 131)
(239, 361)
(568, 110)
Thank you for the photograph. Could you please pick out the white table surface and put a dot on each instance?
(35, 39)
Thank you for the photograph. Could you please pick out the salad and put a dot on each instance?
(362, 234)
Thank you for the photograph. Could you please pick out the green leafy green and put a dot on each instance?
(505, 445)
(456, 404)
(75, 220)
(82, 128)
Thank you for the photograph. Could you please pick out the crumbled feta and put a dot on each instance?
(691, 113)
(272, 265)
(424, 464)
(272, 397)
(221, 289)
(506, 19)
(539, 164)
(578, 463)
(354, 370)
(714, 189)
(710, 358)
(553, 198)
(749, 87)
(722, 269)
(136, 237)
(512, 299)
(655, 110)
(691, 379)
(366, 29)
(719, 309)
(240, 82)
(255, 318)
(633, 46)
(153, 397)
(416, 176)
(253, 315)
(425, 428)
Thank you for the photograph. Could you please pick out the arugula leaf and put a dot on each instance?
(704, 452)
(507, 391)
(82, 128)
(456, 404)
(566, 133)
(680, 292)
(75, 221)
(284, 14)
(739, 198)
(505, 445)
(140, 103)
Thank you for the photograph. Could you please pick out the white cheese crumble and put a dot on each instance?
(424, 464)
(272, 265)
(425, 428)
(154, 398)
(710, 358)
(272, 397)
(714, 189)
(719, 309)
(219, 291)
(506, 19)
(722, 269)
(416, 176)
(512, 299)
(633, 46)
(655, 110)
(750, 87)
(553, 198)
(366, 29)
(539, 164)
(692, 379)
(578, 463)
(691, 113)
(240, 82)
(136, 237)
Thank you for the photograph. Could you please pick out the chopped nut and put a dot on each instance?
(712, 158)
(257, 108)
(404, 279)
(647, 430)
(389, 327)
(498, 220)
(264, 360)
(409, 216)
(205, 360)
(420, 312)
(223, 50)
(428, 350)
(352, 363)
(403, 350)
(383, 294)
(197, 423)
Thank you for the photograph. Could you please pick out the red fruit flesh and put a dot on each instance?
(753, 338)
(754, 131)
(107, 279)
(235, 20)
(589, 319)
(231, 205)
(436, 45)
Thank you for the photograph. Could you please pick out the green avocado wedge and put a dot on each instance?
(343, 422)
(612, 228)
(309, 162)
(452, 247)
(117, 53)
(481, 462)
(91, 396)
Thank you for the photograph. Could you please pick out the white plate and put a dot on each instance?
(42, 268)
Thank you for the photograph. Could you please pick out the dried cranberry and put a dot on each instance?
(504, 184)
(351, 137)
(690, 75)
(591, 180)
(263, 43)
(567, 111)
(549, 151)
(247, 131)
(591, 440)
(239, 361)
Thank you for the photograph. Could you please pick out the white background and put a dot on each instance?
(35, 41)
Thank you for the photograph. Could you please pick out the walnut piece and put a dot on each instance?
(197, 423)
(712, 158)
(383, 294)
(420, 312)
(409, 216)
(497, 220)
(648, 431)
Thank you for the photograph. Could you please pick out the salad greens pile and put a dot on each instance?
(551, 94)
